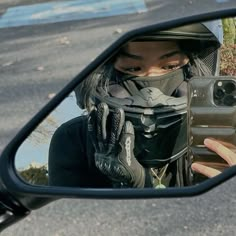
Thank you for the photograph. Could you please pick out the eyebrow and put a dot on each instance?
(170, 54)
(137, 57)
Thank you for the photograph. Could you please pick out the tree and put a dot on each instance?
(35, 175)
(229, 28)
(228, 50)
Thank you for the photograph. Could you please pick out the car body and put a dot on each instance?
(18, 198)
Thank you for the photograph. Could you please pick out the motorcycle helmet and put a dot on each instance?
(200, 39)
(157, 106)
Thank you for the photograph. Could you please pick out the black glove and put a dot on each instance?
(113, 139)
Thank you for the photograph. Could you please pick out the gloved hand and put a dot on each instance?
(113, 139)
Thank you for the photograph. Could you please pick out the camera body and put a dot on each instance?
(211, 113)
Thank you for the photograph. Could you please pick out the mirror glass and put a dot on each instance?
(142, 119)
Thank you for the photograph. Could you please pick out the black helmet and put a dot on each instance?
(159, 117)
(201, 39)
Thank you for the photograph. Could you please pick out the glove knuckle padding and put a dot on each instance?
(118, 119)
(129, 127)
(102, 114)
(127, 144)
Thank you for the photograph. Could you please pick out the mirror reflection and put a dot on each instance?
(127, 124)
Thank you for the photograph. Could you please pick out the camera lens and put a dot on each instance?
(219, 93)
(229, 87)
(229, 100)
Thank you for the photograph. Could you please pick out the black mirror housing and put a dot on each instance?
(26, 193)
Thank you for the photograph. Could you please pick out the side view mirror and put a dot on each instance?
(61, 151)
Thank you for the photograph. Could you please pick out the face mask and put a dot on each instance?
(148, 92)
(167, 83)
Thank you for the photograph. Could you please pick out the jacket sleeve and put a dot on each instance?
(71, 157)
(67, 163)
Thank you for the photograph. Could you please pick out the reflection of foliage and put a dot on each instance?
(228, 60)
(35, 175)
(229, 31)
(228, 50)
(44, 130)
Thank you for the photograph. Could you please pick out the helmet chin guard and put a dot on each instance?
(149, 102)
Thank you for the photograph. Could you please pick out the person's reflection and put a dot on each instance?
(105, 149)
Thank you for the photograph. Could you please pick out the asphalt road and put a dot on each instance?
(38, 60)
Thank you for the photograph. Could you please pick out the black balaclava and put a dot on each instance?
(168, 83)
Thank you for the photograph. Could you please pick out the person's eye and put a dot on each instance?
(170, 67)
(132, 69)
